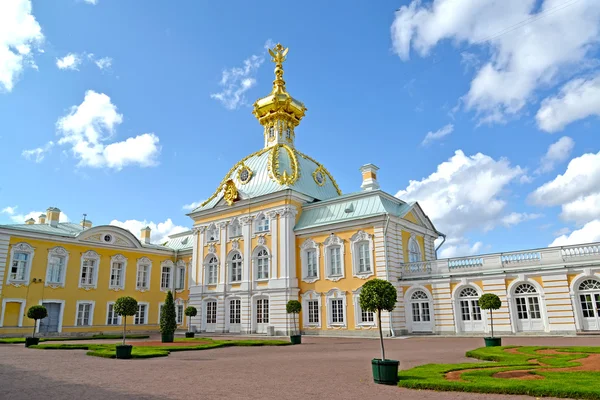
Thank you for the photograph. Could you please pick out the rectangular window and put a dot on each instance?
(142, 276)
(311, 259)
(235, 230)
(425, 312)
(262, 225)
(521, 308)
(236, 270)
(416, 313)
(364, 260)
(87, 272)
(313, 311)
(211, 312)
(116, 274)
(476, 310)
(212, 274)
(262, 311)
(262, 264)
(165, 280)
(83, 314)
(140, 316)
(464, 310)
(235, 311)
(19, 266)
(337, 311)
(335, 261)
(180, 277)
(56, 265)
(179, 314)
(113, 317)
(366, 316)
(534, 308)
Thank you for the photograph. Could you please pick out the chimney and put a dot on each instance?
(146, 234)
(369, 176)
(53, 215)
(30, 221)
(86, 223)
(42, 219)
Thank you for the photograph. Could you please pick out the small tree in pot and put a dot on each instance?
(294, 307)
(190, 312)
(35, 313)
(378, 295)
(490, 301)
(168, 320)
(125, 306)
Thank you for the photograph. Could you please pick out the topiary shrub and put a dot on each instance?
(490, 301)
(126, 306)
(168, 320)
(377, 295)
(190, 311)
(36, 313)
(293, 307)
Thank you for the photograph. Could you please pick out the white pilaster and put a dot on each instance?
(193, 266)
(274, 244)
(200, 260)
(223, 256)
(247, 234)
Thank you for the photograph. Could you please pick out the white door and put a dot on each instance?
(262, 315)
(235, 315)
(421, 312)
(51, 322)
(527, 305)
(470, 313)
(210, 316)
(589, 301)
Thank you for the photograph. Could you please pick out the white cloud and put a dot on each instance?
(515, 218)
(103, 63)
(37, 154)
(465, 193)
(19, 34)
(589, 233)
(557, 153)
(21, 218)
(562, 231)
(192, 205)
(9, 210)
(577, 190)
(528, 44)
(160, 232)
(92, 2)
(459, 247)
(236, 81)
(578, 99)
(89, 125)
(70, 61)
(440, 133)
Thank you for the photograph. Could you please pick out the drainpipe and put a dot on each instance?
(387, 271)
(440, 245)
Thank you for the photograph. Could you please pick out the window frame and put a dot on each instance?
(89, 255)
(412, 254)
(117, 259)
(358, 311)
(306, 247)
(358, 239)
(108, 312)
(240, 266)
(91, 304)
(146, 312)
(236, 317)
(179, 273)
(329, 244)
(57, 251)
(307, 297)
(24, 248)
(336, 294)
(267, 259)
(233, 228)
(171, 266)
(262, 224)
(143, 262)
(208, 264)
(215, 311)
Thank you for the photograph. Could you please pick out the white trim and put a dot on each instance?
(57, 251)
(144, 261)
(307, 246)
(587, 273)
(118, 258)
(21, 247)
(212, 227)
(311, 295)
(92, 304)
(179, 270)
(512, 307)
(171, 265)
(336, 294)
(412, 240)
(208, 257)
(22, 310)
(331, 242)
(255, 252)
(358, 324)
(204, 322)
(357, 239)
(91, 255)
(227, 305)
(60, 315)
(455, 298)
(142, 303)
(261, 216)
(119, 319)
(408, 307)
(232, 253)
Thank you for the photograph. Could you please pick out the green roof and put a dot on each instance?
(180, 241)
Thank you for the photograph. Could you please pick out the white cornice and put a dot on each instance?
(354, 224)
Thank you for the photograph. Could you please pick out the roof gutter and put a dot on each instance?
(387, 270)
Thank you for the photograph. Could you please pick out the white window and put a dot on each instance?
(180, 277)
(262, 224)
(420, 307)
(236, 266)
(20, 265)
(141, 317)
(309, 258)
(211, 312)
(334, 258)
(335, 261)
(117, 273)
(262, 311)
(85, 314)
(212, 234)
(144, 266)
(362, 250)
(336, 308)
(89, 269)
(469, 305)
(311, 306)
(235, 229)
(57, 266)
(112, 318)
(166, 268)
(362, 318)
(313, 312)
(211, 270)
(235, 311)
(262, 264)
(179, 311)
(414, 250)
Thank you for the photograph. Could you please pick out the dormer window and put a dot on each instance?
(235, 229)
(212, 235)
(262, 224)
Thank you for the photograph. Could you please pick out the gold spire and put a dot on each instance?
(279, 112)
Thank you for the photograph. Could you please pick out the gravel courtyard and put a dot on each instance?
(320, 368)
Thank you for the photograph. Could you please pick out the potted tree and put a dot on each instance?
(490, 301)
(125, 306)
(190, 312)
(168, 321)
(35, 313)
(294, 307)
(377, 295)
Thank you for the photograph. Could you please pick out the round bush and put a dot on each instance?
(37, 312)
(191, 311)
(293, 307)
(126, 306)
(490, 301)
(377, 295)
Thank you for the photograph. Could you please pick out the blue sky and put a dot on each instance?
(485, 113)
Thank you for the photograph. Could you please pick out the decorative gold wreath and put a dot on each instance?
(239, 173)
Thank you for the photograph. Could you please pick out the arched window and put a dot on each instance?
(235, 229)
(235, 261)
(469, 305)
(262, 264)
(262, 224)
(527, 302)
(420, 306)
(414, 251)
(589, 300)
(212, 266)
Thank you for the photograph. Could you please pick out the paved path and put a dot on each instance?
(321, 368)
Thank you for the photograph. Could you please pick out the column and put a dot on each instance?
(287, 245)
(247, 256)
(273, 274)
(223, 256)
(193, 267)
(200, 259)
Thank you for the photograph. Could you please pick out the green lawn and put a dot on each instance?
(573, 384)
(60, 339)
(108, 350)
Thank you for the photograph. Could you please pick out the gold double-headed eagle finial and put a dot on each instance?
(278, 56)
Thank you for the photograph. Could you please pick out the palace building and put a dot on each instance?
(278, 228)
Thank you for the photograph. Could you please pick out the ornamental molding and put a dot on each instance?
(144, 261)
(118, 258)
(167, 263)
(230, 192)
(333, 240)
(336, 293)
(312, 279)
(244, 167)
(115, 288)
(235, 244)
(262, 240)
(212, 248)
(87, 288)
(180, 263)
(142, 290)
(54, 286)
(360, 236)
(288, 211)
(246, 220)
(320, 174)
(58, 251)
(334, 278)
(17, 284)
(222, 224)
(309, 244)
(272, 214)
(25, 247)
(91, 254)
